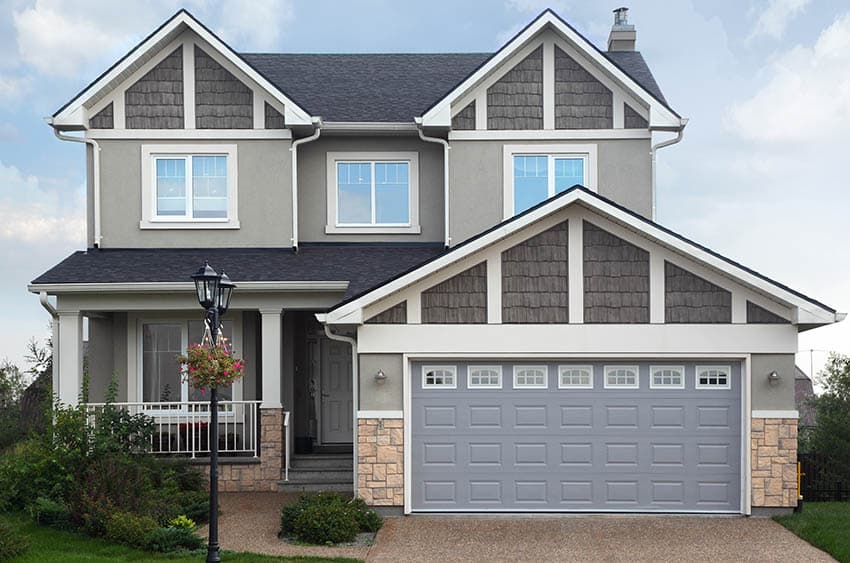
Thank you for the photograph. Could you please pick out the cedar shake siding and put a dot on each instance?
(534, 279)
(516, 100)
(396, 315)
(461, 299)
(691, 299)
(633, 120)
(616, 279)
(156, 100)
(221, 101)
(760, 315)
(103, 119)
(274, 119)
(465, 118)
(581, 101)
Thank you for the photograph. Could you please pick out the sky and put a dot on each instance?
(761, 175)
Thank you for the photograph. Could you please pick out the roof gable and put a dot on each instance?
(622, 222)
(661, 116)
(73, 114)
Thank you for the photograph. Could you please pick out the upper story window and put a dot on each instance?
(188, 186)
(373, 192)
(534, 173)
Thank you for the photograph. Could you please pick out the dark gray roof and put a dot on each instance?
(389, 87)
(362, 265)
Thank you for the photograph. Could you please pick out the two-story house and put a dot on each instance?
(452, 294)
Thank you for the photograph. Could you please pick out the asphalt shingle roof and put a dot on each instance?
(389, 87)
(363, 266)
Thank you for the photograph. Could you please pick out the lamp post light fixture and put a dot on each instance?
(214, 292)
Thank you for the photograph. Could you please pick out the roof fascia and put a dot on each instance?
(72, 113)
(806, 311)
(661, 116)
(168, 287)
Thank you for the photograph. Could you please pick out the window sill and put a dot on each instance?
(370, 230)
(181, 225)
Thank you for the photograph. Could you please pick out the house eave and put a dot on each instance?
(187, 287)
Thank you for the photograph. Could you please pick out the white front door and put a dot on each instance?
(337, 400)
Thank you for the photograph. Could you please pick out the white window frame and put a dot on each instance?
(470, 369)
(450, 368)
(563, 368)
(588, 152)
(236, 346)
(608, 369)
(726, 368)
(679, 369)
(542, 367)
(150, 153)
(333, 225)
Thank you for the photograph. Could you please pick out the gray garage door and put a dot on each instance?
(580, 436)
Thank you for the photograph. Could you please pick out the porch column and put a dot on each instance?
(68, 357)
(272, 342)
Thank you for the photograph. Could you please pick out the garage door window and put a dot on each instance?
(575, 377)
(531, 377)
(444, 377)
(484, 377)
(713, 377)
(667, 377)
(621, 377)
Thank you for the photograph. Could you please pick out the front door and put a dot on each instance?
(336, 393)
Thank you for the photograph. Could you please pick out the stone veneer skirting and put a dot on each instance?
(380, 461)
(774, 462)
(262, 476)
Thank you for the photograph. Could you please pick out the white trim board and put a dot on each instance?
(380, 414)
(775, 414)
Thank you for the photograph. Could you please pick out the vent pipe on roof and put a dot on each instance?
(623, 35)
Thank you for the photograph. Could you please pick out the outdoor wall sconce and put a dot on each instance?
(773, 377)
(380, 377)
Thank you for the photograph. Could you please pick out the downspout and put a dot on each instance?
(95, 178)
(355, 391)
(446, 149)
(294, 150)
(679, 133)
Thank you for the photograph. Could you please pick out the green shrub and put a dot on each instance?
(370, 521)
(327, 523)
(129, 529)
(193, 504)
(183, 522)
(172, 539)
(12, 542)
(48, 512)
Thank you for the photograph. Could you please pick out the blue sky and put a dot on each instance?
(760, 176)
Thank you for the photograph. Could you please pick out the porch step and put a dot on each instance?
(290, 487)
(339, 462)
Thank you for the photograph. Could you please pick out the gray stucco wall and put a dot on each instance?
(476, 189)
(772, 396)
(264, 200)
(380, 396)
(312, 188)
(100, 357)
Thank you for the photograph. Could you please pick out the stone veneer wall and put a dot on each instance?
(262, 476)
(774, 462)
(380, 461)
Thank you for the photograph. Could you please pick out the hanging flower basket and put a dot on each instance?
(207, 367)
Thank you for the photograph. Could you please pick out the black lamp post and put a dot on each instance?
(214, 292)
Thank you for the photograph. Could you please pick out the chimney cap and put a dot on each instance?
(621, 17)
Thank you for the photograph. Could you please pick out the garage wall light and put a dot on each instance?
(380, 377)
(773, 377)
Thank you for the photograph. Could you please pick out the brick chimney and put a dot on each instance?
(623, 35)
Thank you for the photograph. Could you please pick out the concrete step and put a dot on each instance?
(320, 476)
(290, 487)
(334, 461)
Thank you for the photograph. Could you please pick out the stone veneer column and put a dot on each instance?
(774, 462)
(262, 476)
(380, 461)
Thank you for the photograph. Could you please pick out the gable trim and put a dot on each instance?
(71, 114)
(809, 311)
(661, 115)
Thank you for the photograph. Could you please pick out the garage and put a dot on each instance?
(572, 435)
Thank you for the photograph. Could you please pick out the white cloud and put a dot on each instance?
(806, 93)
(12, 87)
(775, 17)
(254, 24)
(31, 214)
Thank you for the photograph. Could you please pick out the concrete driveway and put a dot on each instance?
(588, 538)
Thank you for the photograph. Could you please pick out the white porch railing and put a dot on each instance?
(183, 428)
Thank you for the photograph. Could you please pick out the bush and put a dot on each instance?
(48, 512)
(192, 504)
(183, 522)
(12, 542)
(129, 529)
(327, 518)
(172, 539)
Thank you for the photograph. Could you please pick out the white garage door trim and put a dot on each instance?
(746, 404)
